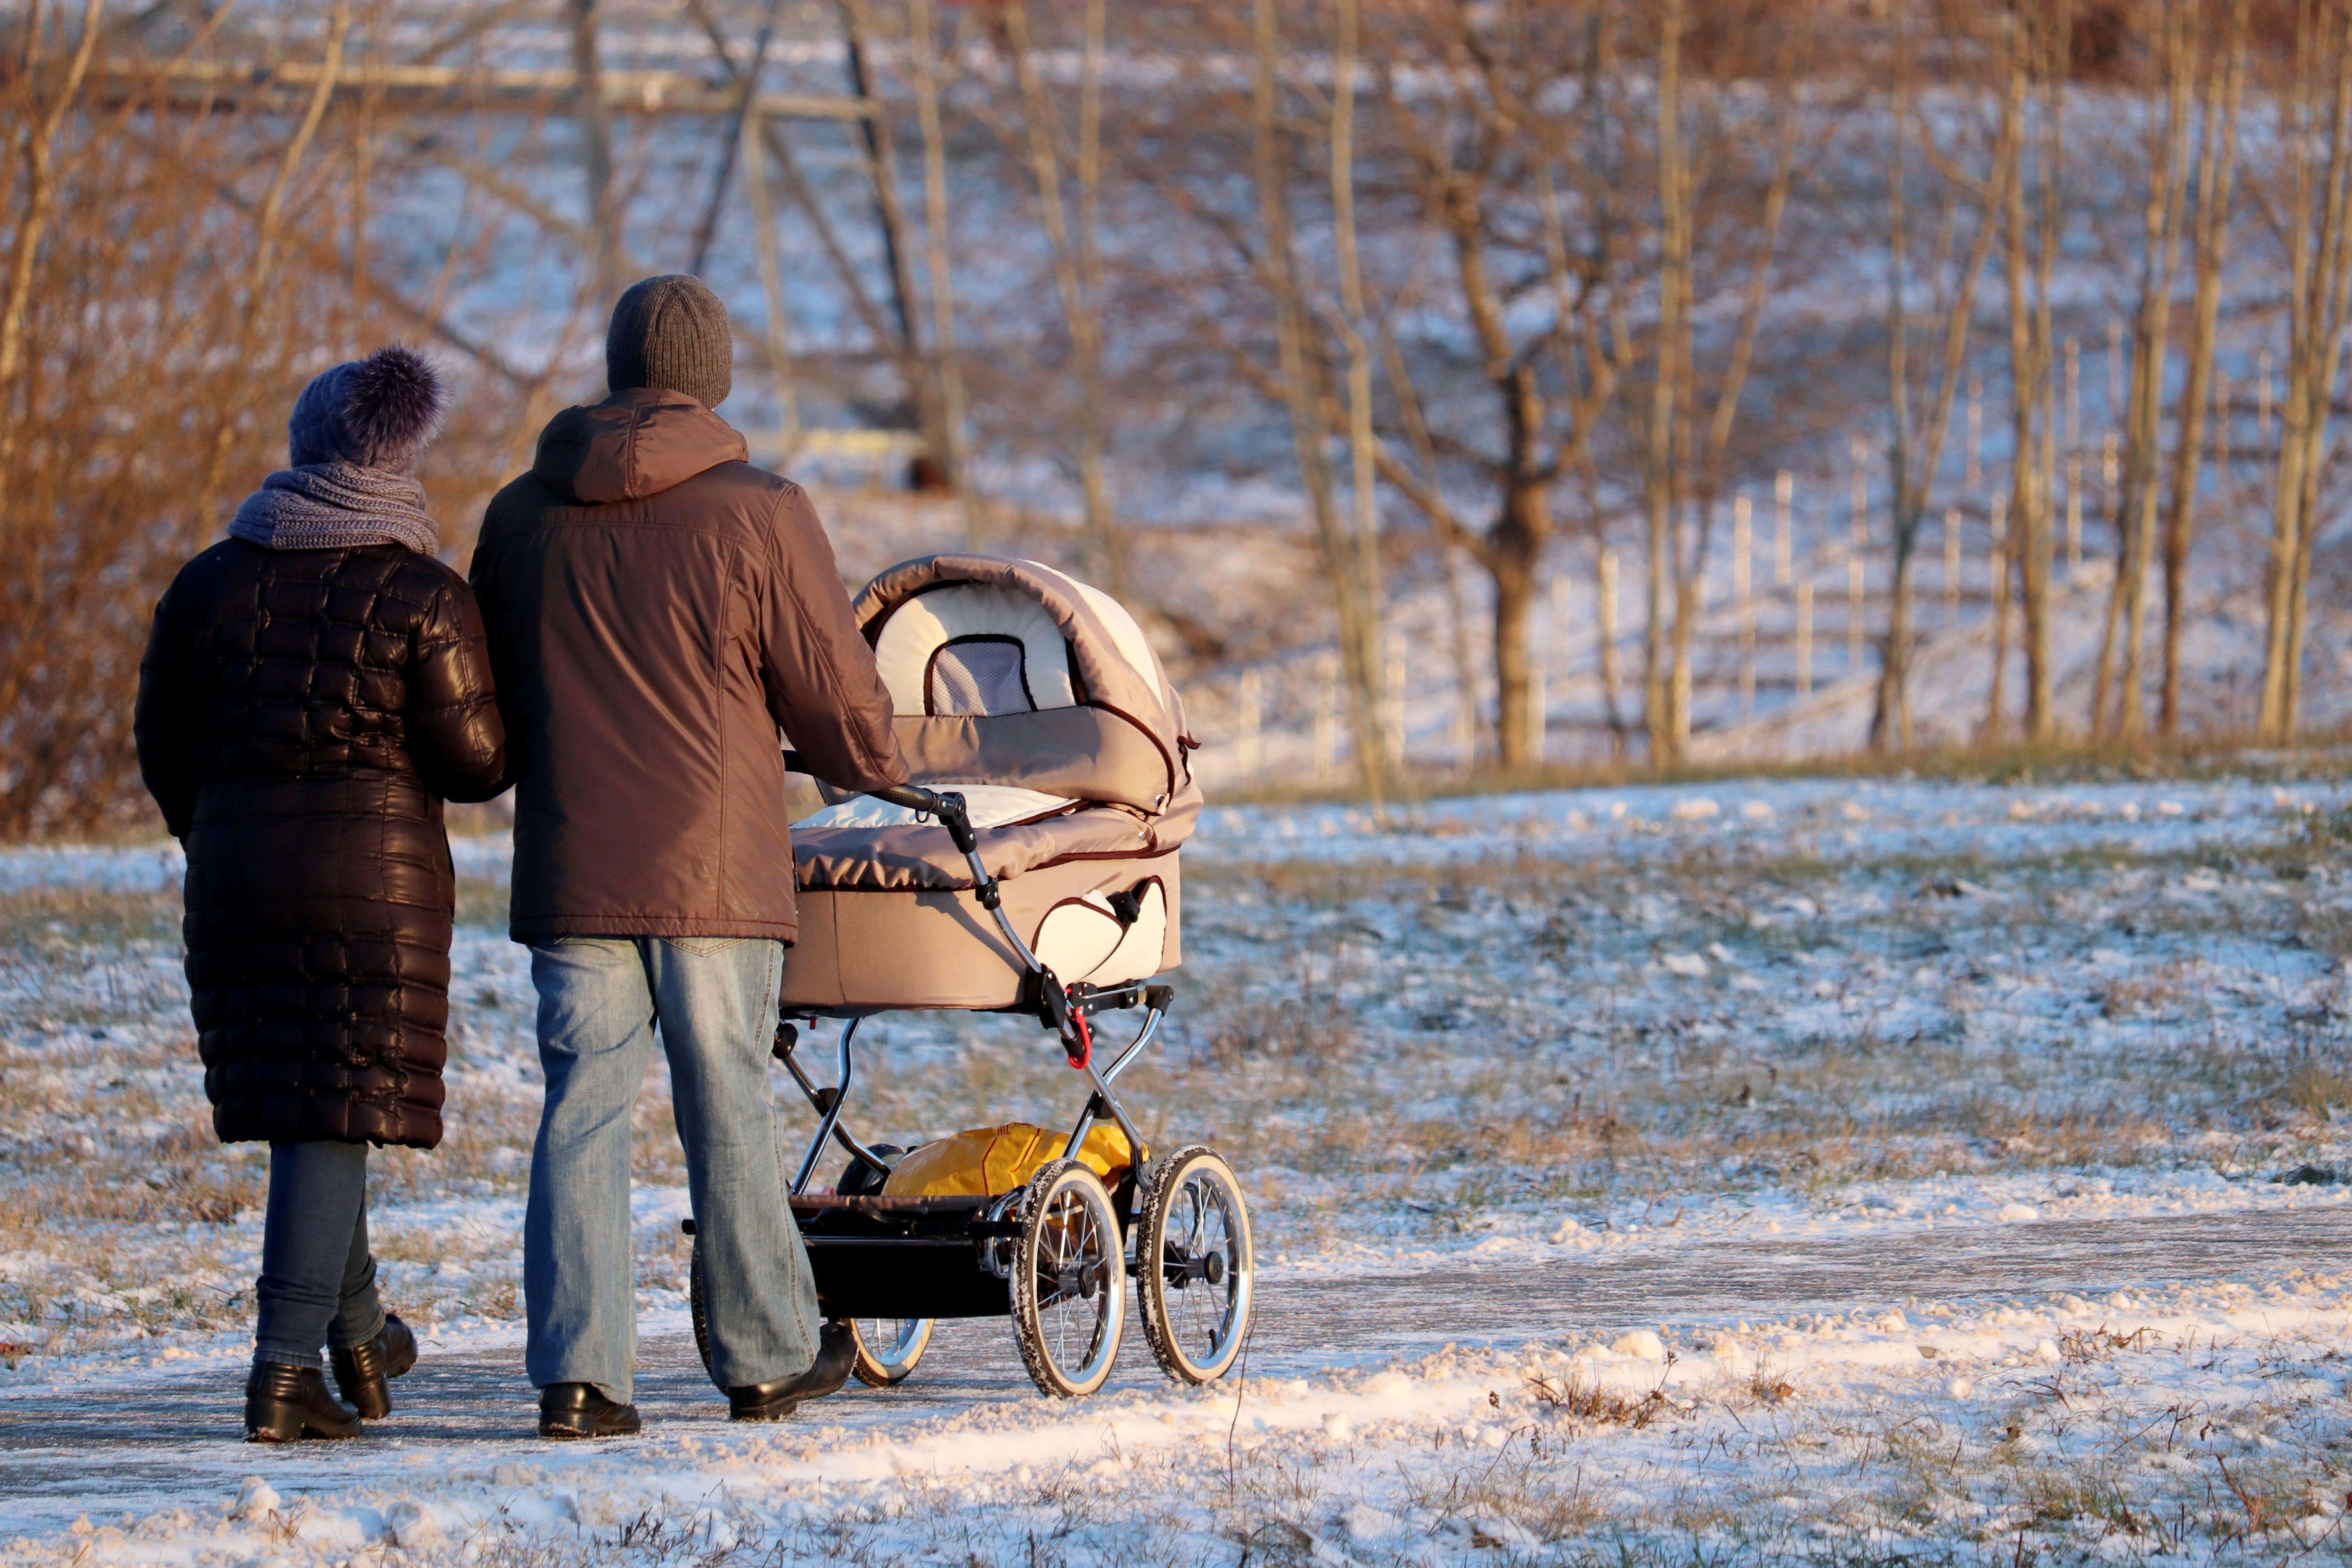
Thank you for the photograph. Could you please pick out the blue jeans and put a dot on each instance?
(317, 1279)
(714, 1000)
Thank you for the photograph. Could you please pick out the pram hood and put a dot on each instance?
(1009, 672)
(1038, 698)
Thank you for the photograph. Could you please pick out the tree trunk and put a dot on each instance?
(775, 333)
(1515, 555)
(2151, 329)
(1514, 590)
(595, 130)
(939, 261)
(2216, 172)
(1997, 586)
(1360, 651)
(1890, 723)
(1914, 451)
(881, 150)
(2317, 236)
(1076, 273)
(2029, 257)
(1362, 445)
(1661, 457)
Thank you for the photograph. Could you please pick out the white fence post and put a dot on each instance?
(1784, 503)
(1805, 638)
(1326, 717)
(1395, 687)
(1252, 698)
(1951, 566)
(1743, 600)
(1976, 432)
(1604, 606)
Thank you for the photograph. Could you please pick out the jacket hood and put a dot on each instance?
(633, 444)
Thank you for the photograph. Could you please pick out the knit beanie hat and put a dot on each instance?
(380, 412)
(671, 332)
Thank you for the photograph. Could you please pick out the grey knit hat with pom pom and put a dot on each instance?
(380, 412)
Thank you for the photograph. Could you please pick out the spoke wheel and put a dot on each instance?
(1196, 1272)
(888, 1348)
(1069, 1280)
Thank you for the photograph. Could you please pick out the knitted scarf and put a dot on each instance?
(337, 506)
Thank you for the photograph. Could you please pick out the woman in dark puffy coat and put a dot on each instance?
(314, 687)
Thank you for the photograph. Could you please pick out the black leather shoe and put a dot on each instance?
(286, 1404)
(779, 1397)
(580, 1410)
(362, 1370)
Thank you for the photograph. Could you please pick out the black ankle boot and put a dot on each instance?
(362, 1370)
(283, 1403)
(836, 1353)
(580, 1410)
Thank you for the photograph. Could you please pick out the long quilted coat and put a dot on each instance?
(301, 715)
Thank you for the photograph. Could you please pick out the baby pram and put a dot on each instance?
(1030, 867)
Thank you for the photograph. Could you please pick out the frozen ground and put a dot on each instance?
(1865, 1126)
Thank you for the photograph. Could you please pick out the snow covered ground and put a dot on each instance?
(1535, 1074)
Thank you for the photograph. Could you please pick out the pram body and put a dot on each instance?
(1039, 700)
(1031, 865)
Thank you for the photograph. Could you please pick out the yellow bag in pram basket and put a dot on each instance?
(991, 1160)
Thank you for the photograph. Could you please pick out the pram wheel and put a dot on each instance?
(1069, 1280)
(888, 1348)
(698, 1305)
(1195, 1270)
(860, 1179)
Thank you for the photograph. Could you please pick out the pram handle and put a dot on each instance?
(945, 805)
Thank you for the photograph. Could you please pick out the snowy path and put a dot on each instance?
(113, 1447)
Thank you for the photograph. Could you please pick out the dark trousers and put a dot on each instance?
(317, 1279)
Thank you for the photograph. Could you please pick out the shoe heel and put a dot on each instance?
(371, 1399)
(269, 1421)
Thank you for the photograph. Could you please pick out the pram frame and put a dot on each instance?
(914, 1260)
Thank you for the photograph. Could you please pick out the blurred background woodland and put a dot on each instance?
(1456, 388)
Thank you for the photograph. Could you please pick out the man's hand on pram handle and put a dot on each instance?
(945, 805)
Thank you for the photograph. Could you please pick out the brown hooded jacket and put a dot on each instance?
(657, 609)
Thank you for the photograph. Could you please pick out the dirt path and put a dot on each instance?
(105, 1450)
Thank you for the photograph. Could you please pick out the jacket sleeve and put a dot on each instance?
(167, 723)
(455, 733)
(822, 688)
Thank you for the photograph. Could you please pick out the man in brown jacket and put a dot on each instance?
(658, 611)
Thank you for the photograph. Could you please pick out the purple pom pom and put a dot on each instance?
(392, 407)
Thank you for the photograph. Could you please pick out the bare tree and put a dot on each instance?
(2219, 88)
(1076, 256)
(2034, 41)
(1670, 368)
(1915, 443)
(2316, 149)
(1303, 394)
(940, 262)
(2165, 140)
(596, 130)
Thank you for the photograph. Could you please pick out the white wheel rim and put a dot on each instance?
(1205, 1218)
(1078, 1245)
(891, 1345)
